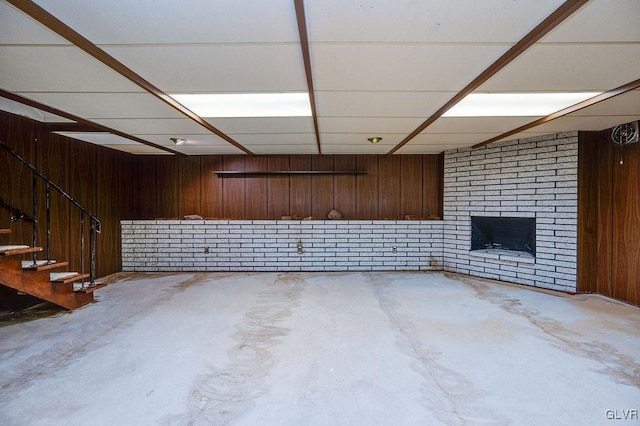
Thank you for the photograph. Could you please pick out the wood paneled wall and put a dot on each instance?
(625, 268)
(394, 186)
(589, 216)
(608, 217)
(98, 178)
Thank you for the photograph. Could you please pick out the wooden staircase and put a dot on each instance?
(43, 279)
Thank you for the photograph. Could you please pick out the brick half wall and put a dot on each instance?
(266, 245)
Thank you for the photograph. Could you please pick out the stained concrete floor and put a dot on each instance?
(324, 349)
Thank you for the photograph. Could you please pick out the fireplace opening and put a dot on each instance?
(504, 233)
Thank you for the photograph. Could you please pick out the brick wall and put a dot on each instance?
(534, 177)
(266, 245)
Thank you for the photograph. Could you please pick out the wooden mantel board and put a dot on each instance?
(232, 173)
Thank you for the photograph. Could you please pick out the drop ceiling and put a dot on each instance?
(377, 68)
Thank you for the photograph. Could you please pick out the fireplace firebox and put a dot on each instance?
(503, 233)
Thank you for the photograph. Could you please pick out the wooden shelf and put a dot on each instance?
(235, 173)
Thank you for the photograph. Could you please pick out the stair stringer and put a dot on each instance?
(38, 284)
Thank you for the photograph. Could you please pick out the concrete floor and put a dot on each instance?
(324, 349)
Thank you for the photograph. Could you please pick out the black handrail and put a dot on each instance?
(18, 214)
(95, 226)
(53, 185)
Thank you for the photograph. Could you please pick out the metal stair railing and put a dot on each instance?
(17, 213)
(95, 226)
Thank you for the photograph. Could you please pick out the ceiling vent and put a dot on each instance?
(625, 133)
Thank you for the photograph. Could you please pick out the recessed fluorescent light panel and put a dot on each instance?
(247, 104)
(515, 104)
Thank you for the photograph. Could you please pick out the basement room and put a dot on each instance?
(319, 212)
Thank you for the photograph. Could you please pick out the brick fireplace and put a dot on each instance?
(535, 178)
(511, 235)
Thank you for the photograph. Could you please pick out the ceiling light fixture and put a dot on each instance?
(178, 141)
(229, 105)
(374, 139)
(515, 104)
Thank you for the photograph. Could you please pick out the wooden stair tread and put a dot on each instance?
(5, 231)
(88, 289)
(42, 265)
(67, 277)
(30, 264)
(62, 275)
(12, 247)
(13, 250)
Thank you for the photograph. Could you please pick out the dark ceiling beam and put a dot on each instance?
(304, 44)
(569, 110)
(556, 18)
(81, 121)
(54, 24)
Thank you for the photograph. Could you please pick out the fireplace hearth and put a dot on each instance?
(504, 234)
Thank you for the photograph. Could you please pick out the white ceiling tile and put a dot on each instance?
(107, 105)
(283, 149)
(210, 140)
(196, 21)
(368, 125)
(111, 141)
(162, 126)
(18, 28)
(375, 105)
(27, 111)
(457, 125)
(228, 69)
(458, 139)
(400, 67)
(98, 138)
(138, 149)
(600, 21)
(627, 103)
(262, 125)
(57, 69)
(428, 149)
(591, 123)
(52, 118)
(209, 150)
(524, 135)
(21, 110)
(354, 149)
(572, 67)
(277, 139)
(425, 21)
(354, 139)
